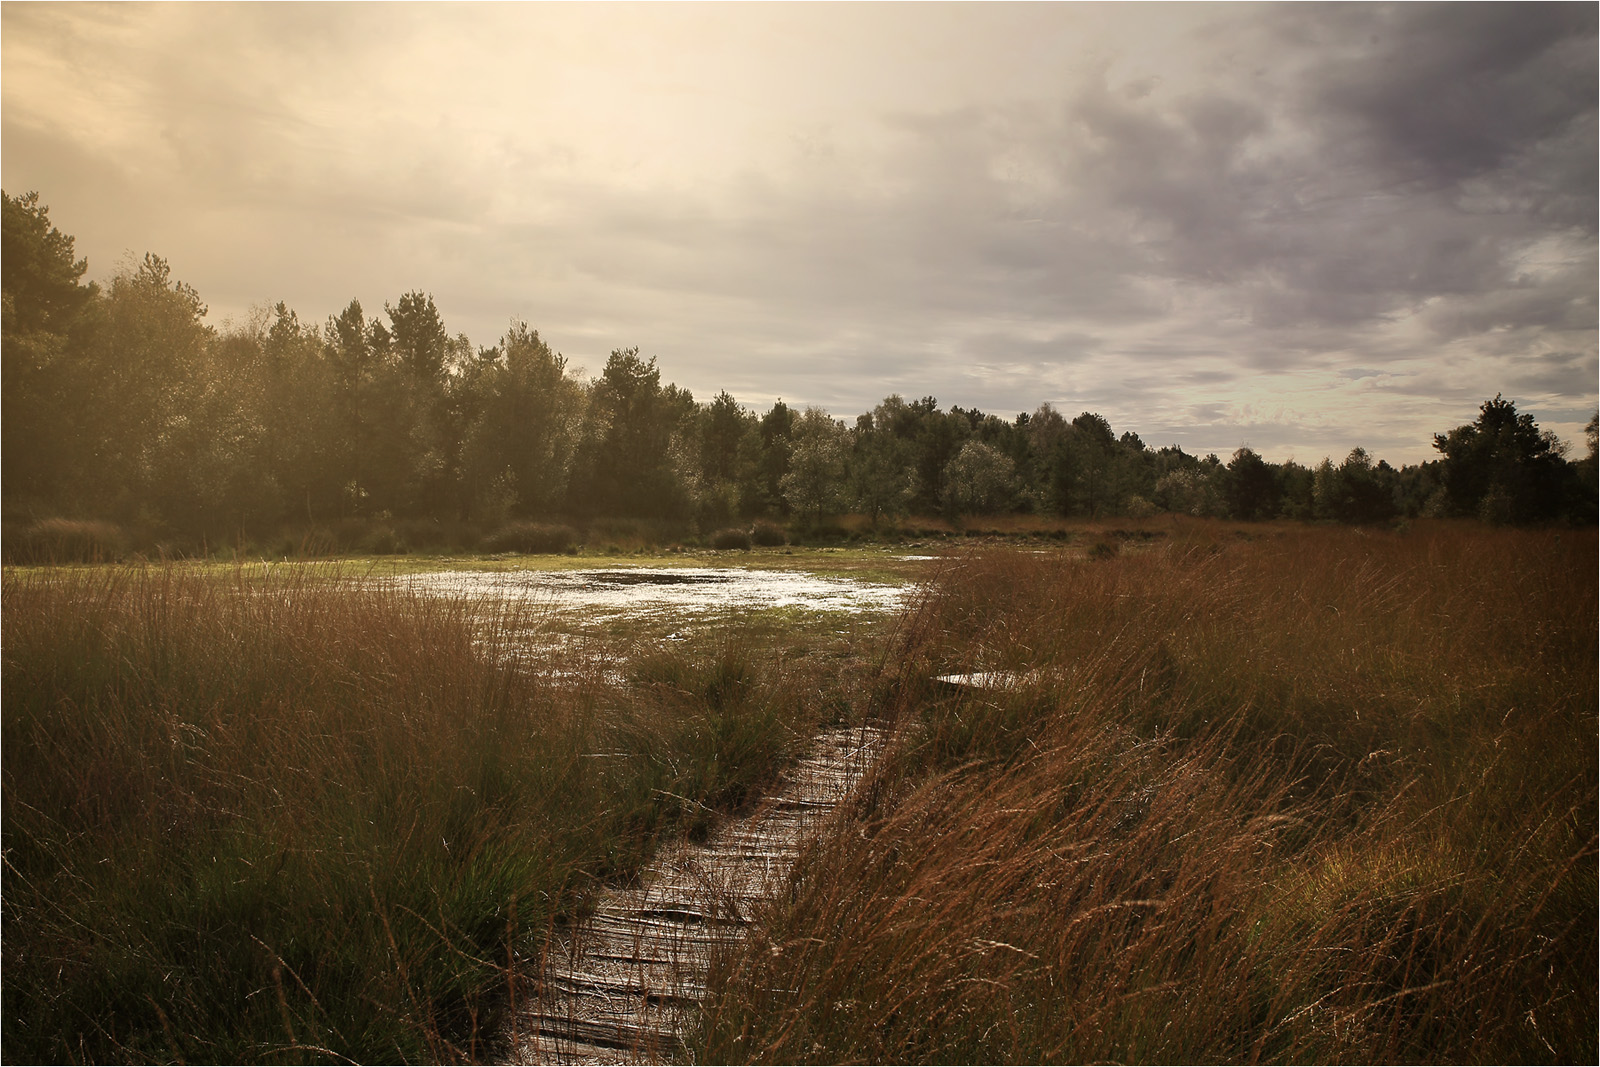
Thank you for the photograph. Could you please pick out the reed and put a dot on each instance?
(279, 816)
(1304, 794)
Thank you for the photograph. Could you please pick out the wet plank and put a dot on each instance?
(626, 983)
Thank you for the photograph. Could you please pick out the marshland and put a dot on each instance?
(1261, 792)
(650, 666)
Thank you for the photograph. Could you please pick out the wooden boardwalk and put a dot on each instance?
(626, 983)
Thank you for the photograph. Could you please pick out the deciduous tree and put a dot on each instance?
(813, 485)
(981, 480)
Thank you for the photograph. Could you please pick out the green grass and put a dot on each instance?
(277, 815)
(1308, 795)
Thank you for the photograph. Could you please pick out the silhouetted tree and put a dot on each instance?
(301, 418)
(1583, 504)
(1252, 486)
(1355, 491)
(354, 350)
(1501, 467)
(417, 336)
(1295, 487)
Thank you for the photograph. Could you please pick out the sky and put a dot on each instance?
(1297, 228)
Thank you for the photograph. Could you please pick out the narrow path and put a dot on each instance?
(627, 982)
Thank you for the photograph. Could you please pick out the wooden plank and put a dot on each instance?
(626, 983)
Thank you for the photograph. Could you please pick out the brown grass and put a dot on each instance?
(1303, 794)
(276, 816)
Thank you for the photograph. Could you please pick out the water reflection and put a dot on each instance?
(654, 591)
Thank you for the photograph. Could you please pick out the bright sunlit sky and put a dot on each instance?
(1299, 228)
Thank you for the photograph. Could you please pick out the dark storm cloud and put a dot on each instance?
(1414, 153)
(1443, 94)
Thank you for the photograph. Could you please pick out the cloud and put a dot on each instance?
(1382, 214)
(1442, 94)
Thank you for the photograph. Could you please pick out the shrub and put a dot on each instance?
(66, 541)
(1140, 508)
(1103, 550)
(319, 541)
(531, 538)
(435, 536)
(383, 541)
(730, 538)
(768, 535)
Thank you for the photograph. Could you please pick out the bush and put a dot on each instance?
(531, 538)
(66, 541)
(319, 541)
(1140, 508)
(768, 535)
(383, 541)
(432, 535)
(725, 539)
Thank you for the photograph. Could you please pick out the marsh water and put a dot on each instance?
(656, 592)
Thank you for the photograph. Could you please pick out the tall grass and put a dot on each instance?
(1316, 795)
(64, 541)
(294, 819)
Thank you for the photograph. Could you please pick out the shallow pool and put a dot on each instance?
(658, 591)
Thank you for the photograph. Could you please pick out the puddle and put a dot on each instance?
(995, 681)
(654, 591)
(626, 984)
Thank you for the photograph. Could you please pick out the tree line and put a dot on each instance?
(122, 403)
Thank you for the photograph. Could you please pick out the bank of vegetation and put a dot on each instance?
(1311, 794)
(301, 819)
(132, 426)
